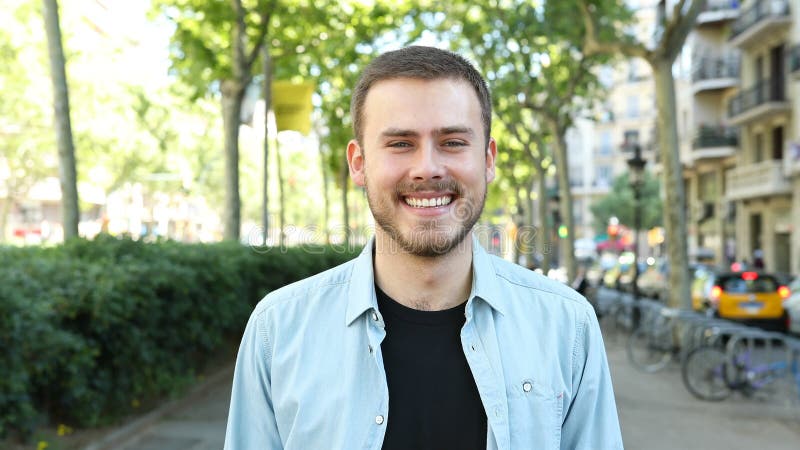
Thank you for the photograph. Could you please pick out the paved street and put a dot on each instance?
(656, 412)
(198, 425)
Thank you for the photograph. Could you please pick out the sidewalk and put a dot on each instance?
(656, 412)
(196, 422)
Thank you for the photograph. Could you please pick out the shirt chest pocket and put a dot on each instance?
(535, 415)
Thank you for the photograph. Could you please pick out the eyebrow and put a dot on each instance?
(400, 132)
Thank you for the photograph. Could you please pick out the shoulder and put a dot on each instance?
(298, 292)
(510, 273)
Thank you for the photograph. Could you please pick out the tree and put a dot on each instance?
(22, 144)
(216, 44)
(66, 150)
(214, 49)
(564, 87)
(528, 60)
(338, 41)
(526, 159)
(605, 37)
(620, 203)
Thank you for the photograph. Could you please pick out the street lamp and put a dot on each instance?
(636, 178)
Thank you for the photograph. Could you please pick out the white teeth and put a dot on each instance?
(428, 203)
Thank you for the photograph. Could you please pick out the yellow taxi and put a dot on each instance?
(752, 297)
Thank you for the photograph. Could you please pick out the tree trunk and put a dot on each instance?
(281, 194)
(66, 151)
(674, 211)
(345, 205)
(326, 200)
(267, 104)
(232, 95)
(530, 246)
(5, 210)
(519, 223)
(567, 244)
(544, 229)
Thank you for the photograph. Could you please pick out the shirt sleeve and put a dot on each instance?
(251, 418)
(591, 421)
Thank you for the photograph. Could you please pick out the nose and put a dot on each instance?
(428, 163)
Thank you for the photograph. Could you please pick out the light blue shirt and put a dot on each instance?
(310, 376)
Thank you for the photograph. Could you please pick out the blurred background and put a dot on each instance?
(142, 141)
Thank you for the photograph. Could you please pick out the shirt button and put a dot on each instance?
(374, 316)
(526, 386)
(379, 419)
(497, 411)
(474, 349)
(370, 349)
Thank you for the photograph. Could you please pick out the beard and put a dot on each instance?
(434, 237)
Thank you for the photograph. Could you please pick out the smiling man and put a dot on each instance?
(424, 341)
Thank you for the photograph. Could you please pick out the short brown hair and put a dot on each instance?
(424, 63)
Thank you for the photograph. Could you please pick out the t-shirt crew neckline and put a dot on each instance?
(390, 306)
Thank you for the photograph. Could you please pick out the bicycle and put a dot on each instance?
(713, 374)
(664, 335)
(652, 345)
(615, 316)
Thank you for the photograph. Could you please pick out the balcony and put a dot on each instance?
(765, 99)
(762, 179)
(765, 17)
(714, 142)
(718, 12)
(711, 74)
(597, 187)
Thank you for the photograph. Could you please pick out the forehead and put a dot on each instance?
(417, 103)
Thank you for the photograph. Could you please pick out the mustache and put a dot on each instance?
(440, 185)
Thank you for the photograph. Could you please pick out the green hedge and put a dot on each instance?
(91, 326)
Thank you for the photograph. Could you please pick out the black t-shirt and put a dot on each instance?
(433, 400)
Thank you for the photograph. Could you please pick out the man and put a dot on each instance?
(424, 341)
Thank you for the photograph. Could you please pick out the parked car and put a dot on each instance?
(653, 280)
(755, 298)
(792, 306)
(625, 280)
(612, 277)
(702, 281)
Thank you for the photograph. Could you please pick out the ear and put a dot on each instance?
(491, 155)
(355, 161)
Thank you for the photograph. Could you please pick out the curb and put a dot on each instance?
(128, 432)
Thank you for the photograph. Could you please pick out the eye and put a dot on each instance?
(454, 143)
(399, 144)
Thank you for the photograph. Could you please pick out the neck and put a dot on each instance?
(423, 283)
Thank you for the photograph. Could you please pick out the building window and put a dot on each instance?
(633, 106)
(777, 143)
(707, 184)
(577, 211)
(631, 138)
(758, 147)
(606, 146)
(603, 176)
(633, 72)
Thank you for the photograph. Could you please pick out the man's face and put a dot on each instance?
(424, 162)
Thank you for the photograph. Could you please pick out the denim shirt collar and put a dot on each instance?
(361, 294)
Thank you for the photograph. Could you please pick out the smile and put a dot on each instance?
(428, 202)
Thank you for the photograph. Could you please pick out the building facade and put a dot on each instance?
(741, 148)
